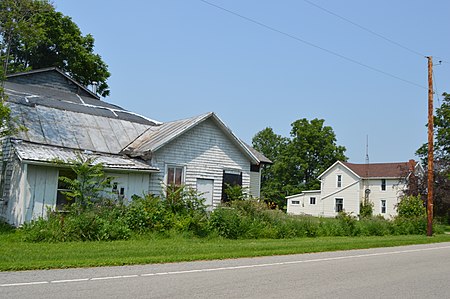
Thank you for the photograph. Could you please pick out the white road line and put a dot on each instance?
(223, 268)
(23, 284)
(110, 277)
(69, 280)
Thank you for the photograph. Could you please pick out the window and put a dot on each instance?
(295, 202)
(254, 167)
(339, 181)
(383, 184)
(383, 206)
(312, 200)
(119, 191)
(339, 207)
(175, 176)
(230, 180)
(61, 198)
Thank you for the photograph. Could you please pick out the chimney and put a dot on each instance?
(411, 165)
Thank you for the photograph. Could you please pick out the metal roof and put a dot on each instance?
(158, 136)
(38, 153)
(67, 122)
(60, 72)
(56, 114)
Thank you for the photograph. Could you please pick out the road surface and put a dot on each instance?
(419, 271)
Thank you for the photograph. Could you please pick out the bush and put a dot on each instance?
(410, 226)
(103, 221)
(147, 213)
(226, 222)
(365, 209)
(374, 226)
(411, 207)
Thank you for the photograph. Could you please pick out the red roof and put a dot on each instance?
(382, 170)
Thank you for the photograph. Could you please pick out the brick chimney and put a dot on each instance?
(411, 165)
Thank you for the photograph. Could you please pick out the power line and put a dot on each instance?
(365, 29)
(371, 31)
(436, 91)
(311, 44)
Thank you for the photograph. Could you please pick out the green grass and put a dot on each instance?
(18, 255)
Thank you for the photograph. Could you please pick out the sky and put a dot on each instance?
(359, 65)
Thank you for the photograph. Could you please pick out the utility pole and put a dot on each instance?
(430, 149)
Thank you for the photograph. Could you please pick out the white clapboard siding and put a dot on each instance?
(133, 183)
(42, 183)
(255, 184)
(17, 193)
(391, 195)
(350, 191)
(205, 152)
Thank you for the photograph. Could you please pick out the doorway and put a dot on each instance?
(206, 188)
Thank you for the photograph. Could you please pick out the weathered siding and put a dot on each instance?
(255, 184)
(16, 206)
(205, 152)
(133, 183)
(42, 183)
(6, 156)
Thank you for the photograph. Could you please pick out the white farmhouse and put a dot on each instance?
(345, 185)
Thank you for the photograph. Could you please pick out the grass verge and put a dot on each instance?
(18, 255)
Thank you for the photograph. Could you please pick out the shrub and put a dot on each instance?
(90, 183)
(410, 225)
(374, 226)
(365, 209)
(347, 221)
(147, 213)
(226, 222)
(103, 221)
(411, 207)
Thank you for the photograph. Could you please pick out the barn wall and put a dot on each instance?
(41, 184)
(132, 183)
(205, 152)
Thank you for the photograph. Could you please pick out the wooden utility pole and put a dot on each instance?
(430, 149)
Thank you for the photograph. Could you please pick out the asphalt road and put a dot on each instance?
(419, 271)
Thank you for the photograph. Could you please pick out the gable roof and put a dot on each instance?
(381, 170)
(58, 111)
(156, 137)
(59, 117)
(50, 70)
(377, 170)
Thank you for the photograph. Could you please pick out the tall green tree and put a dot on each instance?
(273, 147)
(34, 35)
(441, 161)
(298, 160)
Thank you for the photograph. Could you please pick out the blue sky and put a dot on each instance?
(173, 59)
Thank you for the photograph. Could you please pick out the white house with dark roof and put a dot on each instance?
(345, 185)
(64, 119)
